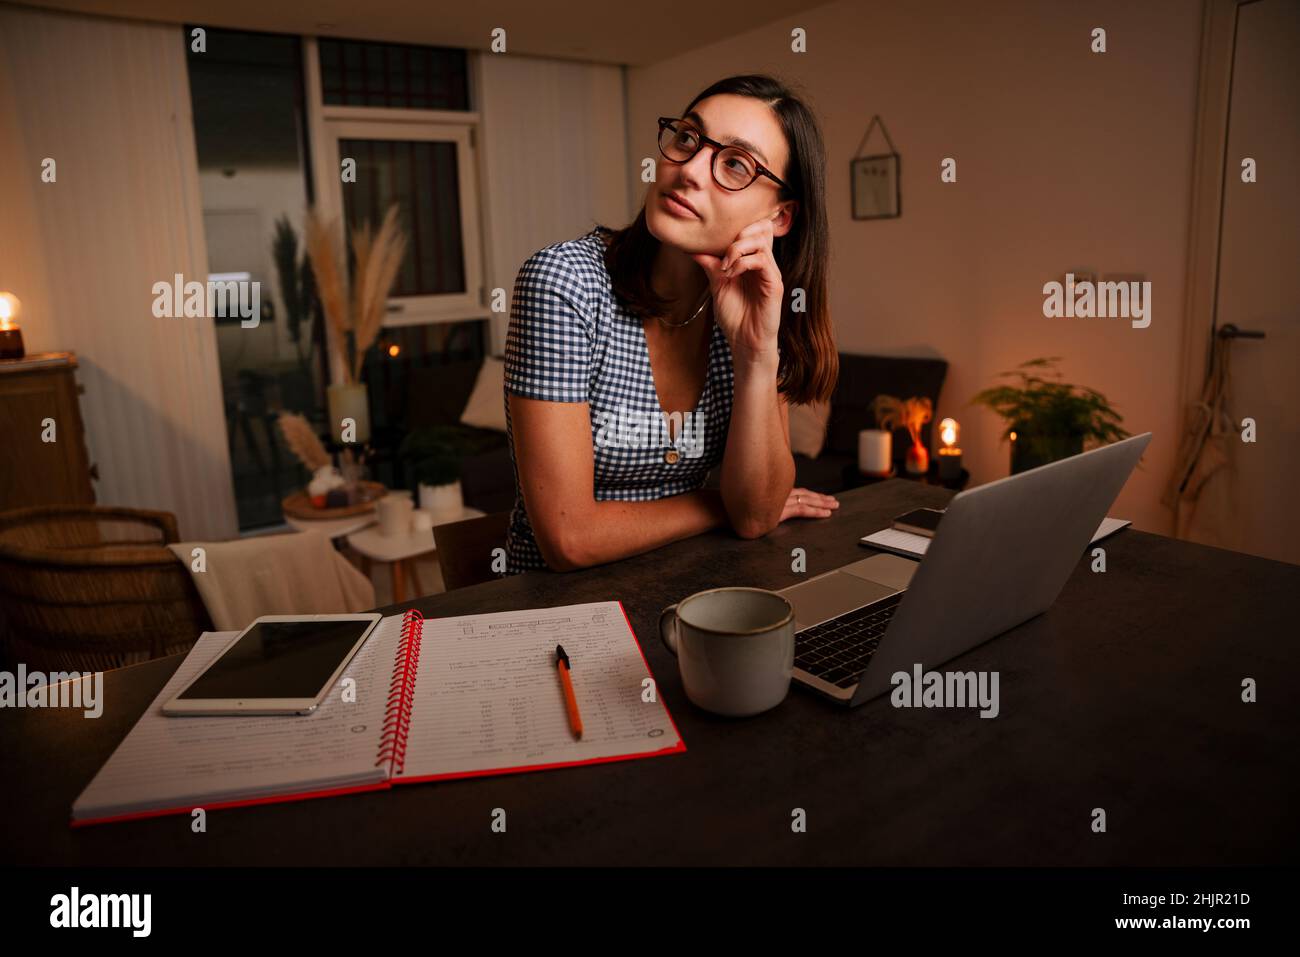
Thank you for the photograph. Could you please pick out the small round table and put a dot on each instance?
(399, 550)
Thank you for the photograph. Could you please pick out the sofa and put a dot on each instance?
(861, 379)
(439, 396)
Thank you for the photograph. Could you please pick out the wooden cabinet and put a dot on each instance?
(33, 471)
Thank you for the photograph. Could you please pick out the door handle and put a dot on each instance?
(1230, 331)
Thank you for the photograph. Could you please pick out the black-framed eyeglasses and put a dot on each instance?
(680, 140)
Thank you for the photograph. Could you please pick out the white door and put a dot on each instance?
(1258, 292)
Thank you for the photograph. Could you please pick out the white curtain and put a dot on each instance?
(555, 159)
(108, 101)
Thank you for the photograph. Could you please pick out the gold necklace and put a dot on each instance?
(678, 325)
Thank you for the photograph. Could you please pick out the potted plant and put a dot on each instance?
(1047, 419)
(434, 454)
(297, 290)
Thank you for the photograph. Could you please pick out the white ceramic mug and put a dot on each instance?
(735, 648)
(394, 512)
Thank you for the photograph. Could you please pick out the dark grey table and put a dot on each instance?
(1126, 695)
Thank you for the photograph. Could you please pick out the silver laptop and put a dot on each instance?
(1000, 556)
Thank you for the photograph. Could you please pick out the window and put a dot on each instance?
(403, 115)
(398, 128)
(354, 73)
(423, 179)
(247, 99)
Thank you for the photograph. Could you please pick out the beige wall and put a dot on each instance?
(1065, 160)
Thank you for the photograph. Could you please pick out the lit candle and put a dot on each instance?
(11, 334)
(949, 453)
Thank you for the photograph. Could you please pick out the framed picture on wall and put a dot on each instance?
(875, 187)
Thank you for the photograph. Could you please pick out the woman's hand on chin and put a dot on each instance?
(747, 290)
(804, 503)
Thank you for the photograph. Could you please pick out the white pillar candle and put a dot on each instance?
(348, 402)
(874, 449)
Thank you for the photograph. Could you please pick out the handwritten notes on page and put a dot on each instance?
(487, 697)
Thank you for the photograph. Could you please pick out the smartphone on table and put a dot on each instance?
(919, 521)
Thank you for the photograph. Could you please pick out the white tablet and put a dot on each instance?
(280, 664)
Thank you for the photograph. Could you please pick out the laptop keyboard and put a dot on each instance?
(837, 651)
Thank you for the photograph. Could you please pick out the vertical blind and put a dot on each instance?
(108, 100)
(555, 159)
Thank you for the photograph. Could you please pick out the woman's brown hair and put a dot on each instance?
(809, 363)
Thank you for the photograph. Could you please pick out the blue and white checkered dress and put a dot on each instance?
(572, 340)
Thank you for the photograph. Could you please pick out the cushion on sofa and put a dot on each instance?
(808, 428)
(486, 407)
(862, 378)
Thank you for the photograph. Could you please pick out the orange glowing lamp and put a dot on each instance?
(949, 452)
(11, 333)
(949, 431)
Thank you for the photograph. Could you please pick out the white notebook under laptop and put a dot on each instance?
(914, 546)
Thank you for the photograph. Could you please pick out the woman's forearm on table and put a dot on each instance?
(757, 468)
(610, 530)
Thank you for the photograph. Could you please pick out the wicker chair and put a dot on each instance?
(88, 588)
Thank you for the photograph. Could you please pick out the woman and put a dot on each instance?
(638, 360)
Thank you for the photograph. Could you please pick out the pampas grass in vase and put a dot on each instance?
(302, 441)
(892, 413)
(356, 315)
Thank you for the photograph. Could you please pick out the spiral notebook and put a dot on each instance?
(426, 699)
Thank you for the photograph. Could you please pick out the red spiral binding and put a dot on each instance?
(401, 695)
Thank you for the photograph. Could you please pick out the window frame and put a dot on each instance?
(436, 307)
(327, 124)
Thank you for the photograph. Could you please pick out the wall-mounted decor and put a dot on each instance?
(874, 179)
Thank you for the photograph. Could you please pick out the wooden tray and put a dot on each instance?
(299, 505)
